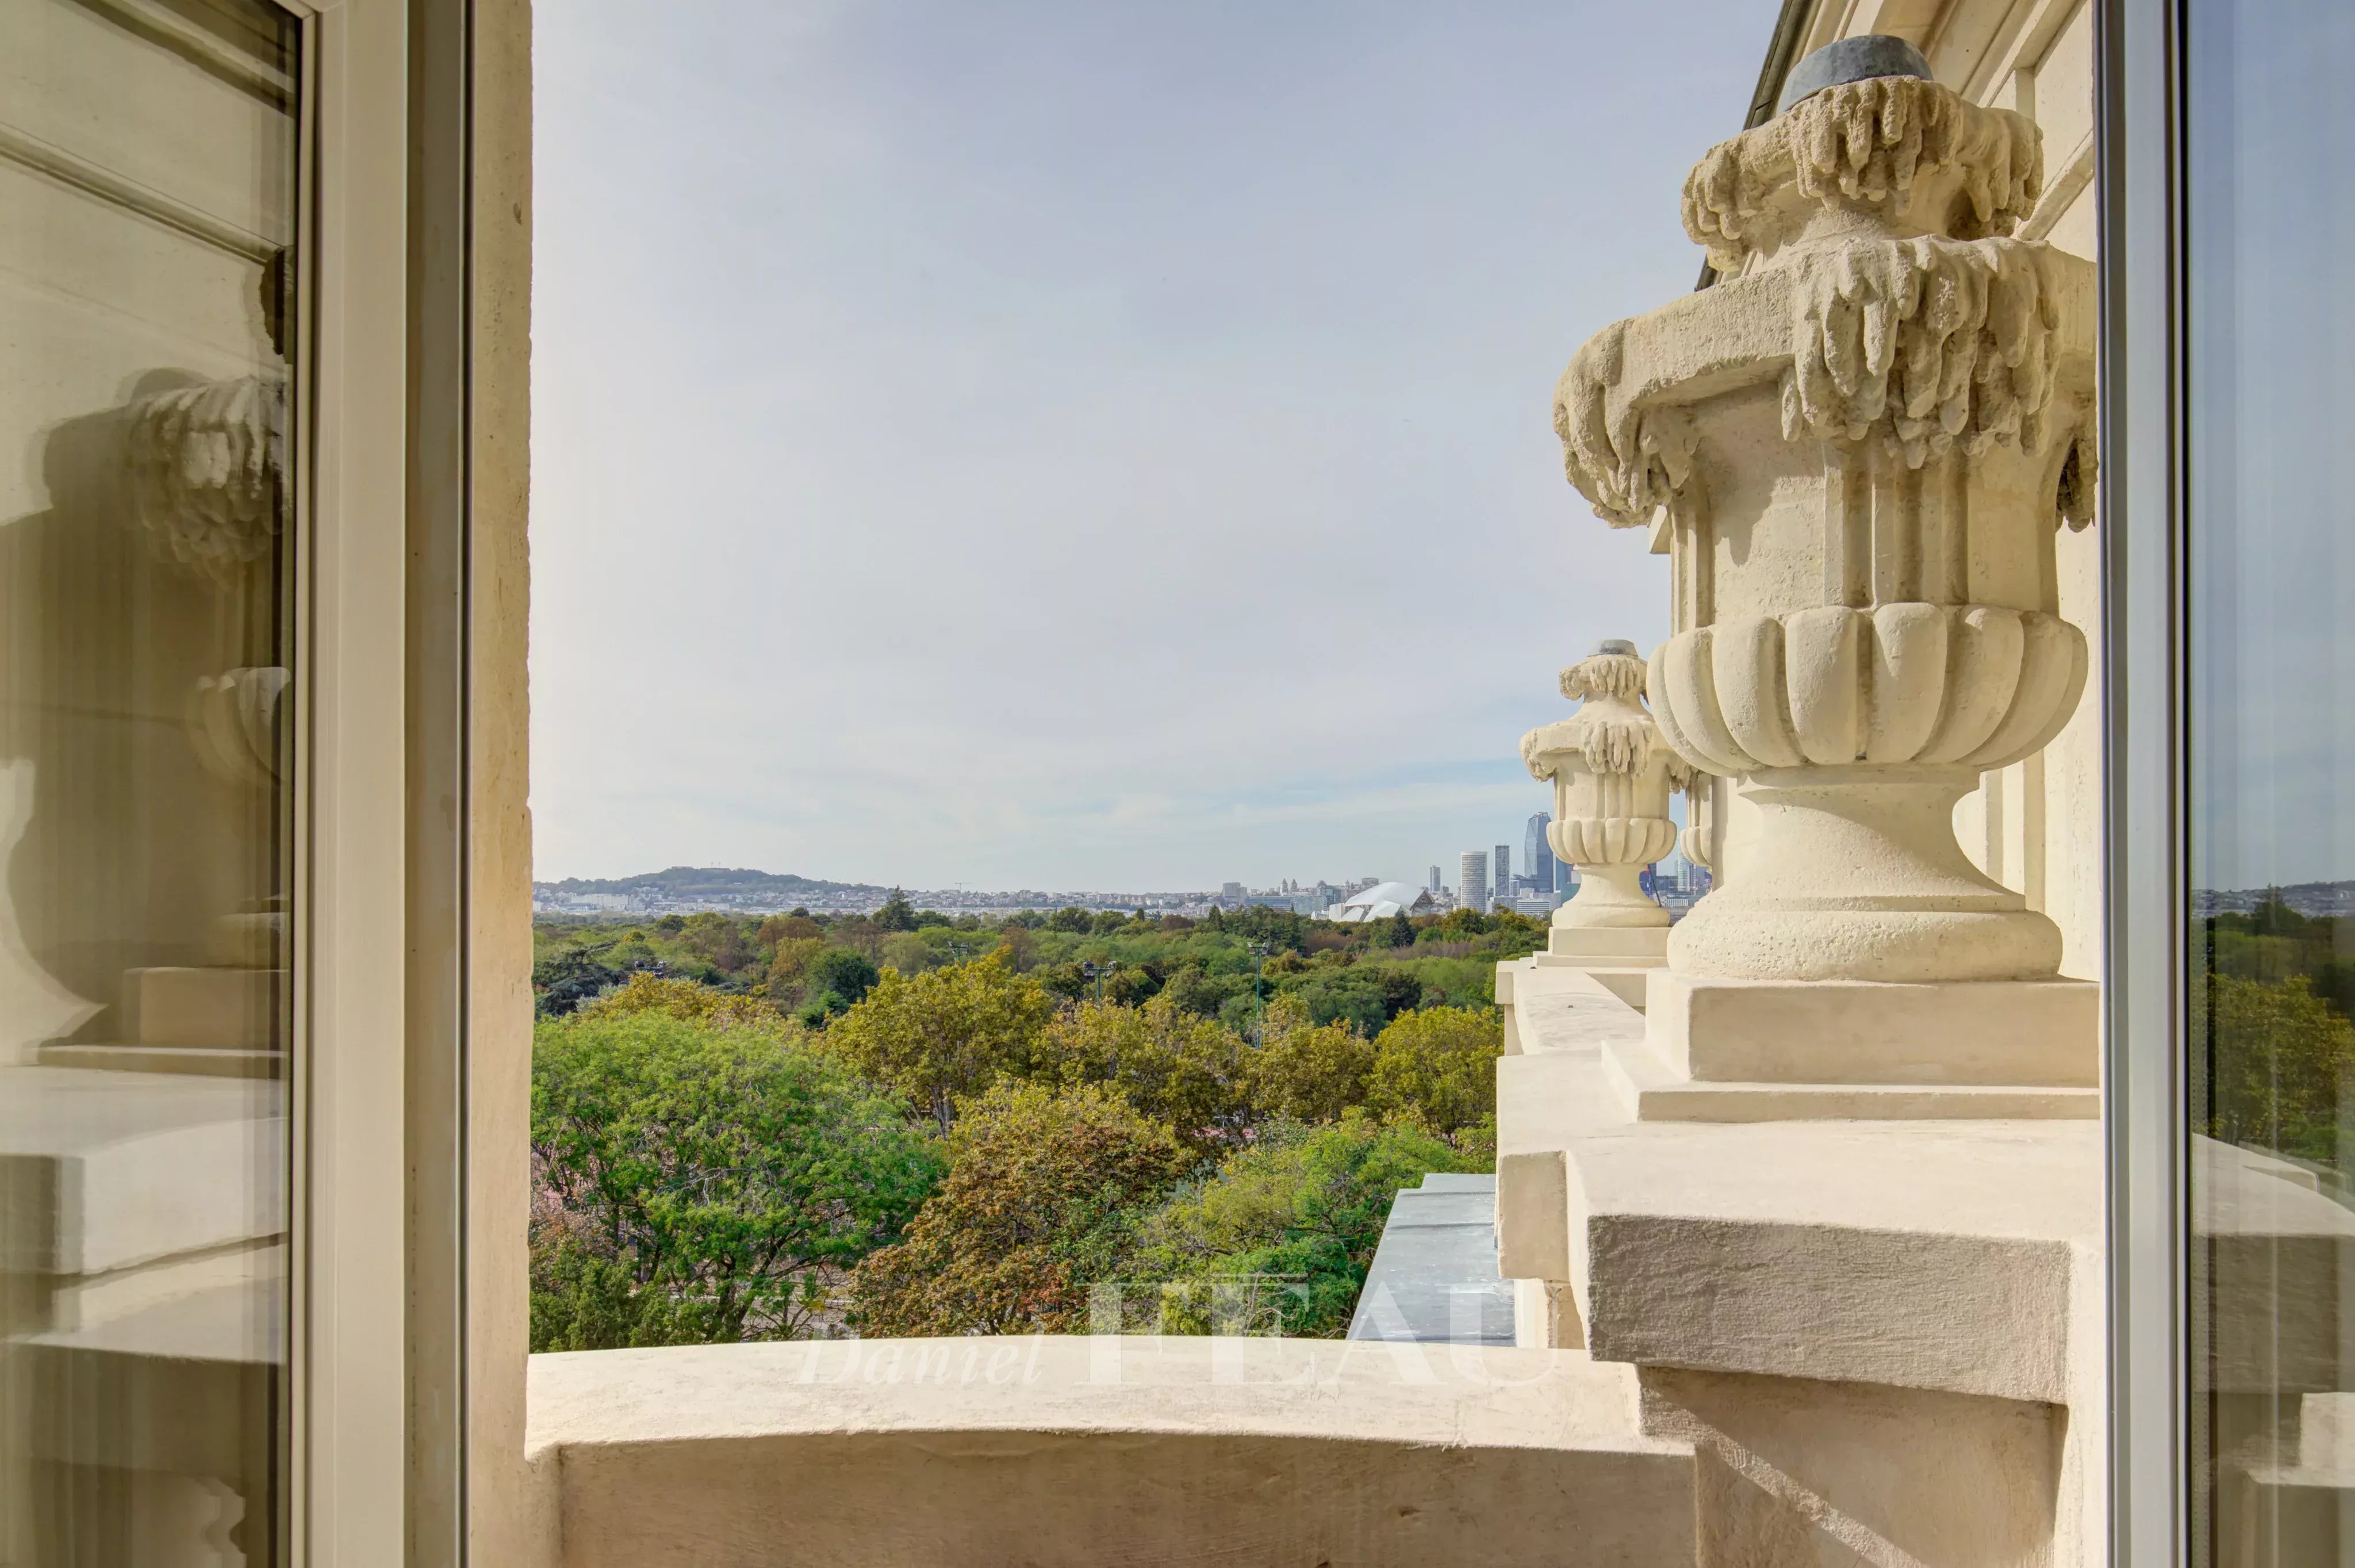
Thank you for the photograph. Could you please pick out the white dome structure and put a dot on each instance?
(1380, 901)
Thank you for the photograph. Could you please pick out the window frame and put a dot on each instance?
(2139, 104)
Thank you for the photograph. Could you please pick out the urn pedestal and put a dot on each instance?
(1611, 774)
(1859, 444)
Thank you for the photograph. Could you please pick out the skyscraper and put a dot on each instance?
(1501, 870)
(1538, 853)
(1473, 893)
(1436, 883)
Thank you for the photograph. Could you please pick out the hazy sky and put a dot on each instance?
(1083, 444)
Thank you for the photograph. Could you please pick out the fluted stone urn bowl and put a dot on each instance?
(1861, 442)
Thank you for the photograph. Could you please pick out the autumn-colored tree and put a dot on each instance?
(718, 939)
(1019, 947)
(1438, 1064)
(791, 962)
(1181, 1070)
(1037, 1205)
(945, 1036)
(691, 999)
(787, 928)
(1304, 1071)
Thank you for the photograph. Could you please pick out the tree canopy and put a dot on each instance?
(703, 1179)
(1037, 1205)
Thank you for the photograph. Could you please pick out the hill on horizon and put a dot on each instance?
(708, 881)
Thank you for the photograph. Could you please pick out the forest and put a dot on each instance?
(905, 1124)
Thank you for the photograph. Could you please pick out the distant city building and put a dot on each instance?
(1436, 883)
(1500, 874)
(1539, 854)
(1231, 893)
(1472, 892)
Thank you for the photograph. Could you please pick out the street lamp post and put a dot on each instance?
(1092, 970)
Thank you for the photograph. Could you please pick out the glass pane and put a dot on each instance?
(147, 180)
(2271, 142)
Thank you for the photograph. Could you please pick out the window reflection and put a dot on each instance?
(2271, 140)
(147, 180)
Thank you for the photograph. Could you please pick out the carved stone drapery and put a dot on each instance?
(1863, 439)
(1611, 774)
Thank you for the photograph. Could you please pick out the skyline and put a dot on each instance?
(1047, 446)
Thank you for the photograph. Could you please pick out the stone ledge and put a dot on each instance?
(105, 1170)
(1638, 947)
(1648, 1091)
(1565, 1008)
(1952, 1256)
(1115, 1451)
(2042, 1033)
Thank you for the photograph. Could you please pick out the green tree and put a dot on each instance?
(1302, 1071)
(840, 972)
(2280, 1062)
(1194, 989)
(1289, 1225)
(909, 953)
(945, 1036)
(1037, 1204)
(1183, 1071)
(1439, 1065)
(704, 1182)
(1071, 918)
(1364, 995)
(567, 978)
(895, 914)
(1397, 930)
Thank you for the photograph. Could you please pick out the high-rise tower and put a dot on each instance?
(1538, 853)
(1500, 872)
(1472, 894)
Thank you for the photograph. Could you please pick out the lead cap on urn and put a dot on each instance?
(1619, 645)
(1852, 60)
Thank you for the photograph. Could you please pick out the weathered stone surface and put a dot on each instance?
(1058, 1450)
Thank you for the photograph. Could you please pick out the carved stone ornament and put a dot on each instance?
(1611, 776)
(206, 463)
(1861, 442)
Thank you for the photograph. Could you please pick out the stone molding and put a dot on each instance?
(1955, 686)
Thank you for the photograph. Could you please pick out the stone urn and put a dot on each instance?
(1860, 442)
(1611, 774)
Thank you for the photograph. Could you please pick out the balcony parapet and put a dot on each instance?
(1059, 1449)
